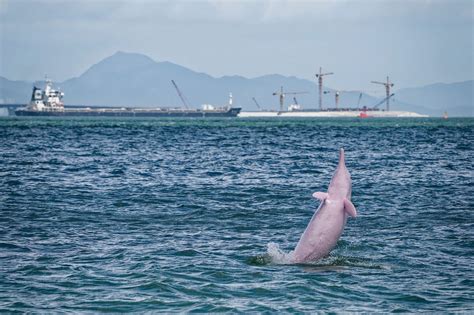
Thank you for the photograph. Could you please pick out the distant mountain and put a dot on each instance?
(130, 79)
(14, 91)
(455, 98)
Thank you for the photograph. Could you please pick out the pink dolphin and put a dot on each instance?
(327, 223)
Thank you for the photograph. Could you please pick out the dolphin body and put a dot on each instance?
(328, 222)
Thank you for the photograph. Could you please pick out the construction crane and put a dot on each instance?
(320, 76)
(358, 102)
(385, 99)
(256, 103)
(336, 96)
(387, 85)
(282, 95)
(181, 96)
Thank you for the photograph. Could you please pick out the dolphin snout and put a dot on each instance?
(341, 156)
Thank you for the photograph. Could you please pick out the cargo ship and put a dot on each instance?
(48, 102)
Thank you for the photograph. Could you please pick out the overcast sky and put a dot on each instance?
(416, 42)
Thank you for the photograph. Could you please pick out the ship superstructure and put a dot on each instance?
(47, 100)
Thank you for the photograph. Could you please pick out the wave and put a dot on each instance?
(276, 256)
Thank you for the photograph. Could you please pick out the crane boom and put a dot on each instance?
(387, 85)
(181, 96)
(296, 92)
(256, 103)
(358, 102)
(385, 99)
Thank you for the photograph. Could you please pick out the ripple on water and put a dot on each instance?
(135, 215)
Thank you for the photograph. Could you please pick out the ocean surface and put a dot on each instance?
(178, 215)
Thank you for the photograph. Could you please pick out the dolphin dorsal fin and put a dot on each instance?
(349, 208)
(320, 195)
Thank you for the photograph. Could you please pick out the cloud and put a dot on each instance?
(244, 11)
(243, 37)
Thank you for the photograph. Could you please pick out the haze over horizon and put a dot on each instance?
(417, 43)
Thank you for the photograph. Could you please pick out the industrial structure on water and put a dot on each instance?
(296, 110)
(48, 102)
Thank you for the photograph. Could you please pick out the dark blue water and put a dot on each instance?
(199, 215)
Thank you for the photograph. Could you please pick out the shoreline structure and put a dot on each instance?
(352, 113)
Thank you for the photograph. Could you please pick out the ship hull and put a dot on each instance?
(232, 112)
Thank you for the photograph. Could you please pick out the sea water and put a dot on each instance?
(178, 215)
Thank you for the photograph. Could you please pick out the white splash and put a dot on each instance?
(278, 256)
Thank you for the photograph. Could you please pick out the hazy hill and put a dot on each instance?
(130, 79)
(455, 98)
(14, 91)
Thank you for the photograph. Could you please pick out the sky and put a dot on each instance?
(416, 43)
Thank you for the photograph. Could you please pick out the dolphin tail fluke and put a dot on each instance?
(320, 195)
(349, 208)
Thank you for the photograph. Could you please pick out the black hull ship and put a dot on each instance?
(134, 112)
(48, 102)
